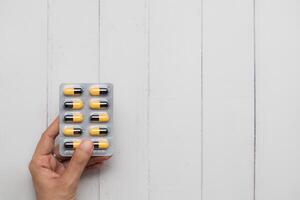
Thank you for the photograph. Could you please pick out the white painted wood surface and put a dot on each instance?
(278, 107)
(23, 64)
(228, 100)
(174, 100)
(123, 61)
(188, 101)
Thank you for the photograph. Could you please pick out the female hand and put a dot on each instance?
(55, 177)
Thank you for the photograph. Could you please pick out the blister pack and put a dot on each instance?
(85, 112)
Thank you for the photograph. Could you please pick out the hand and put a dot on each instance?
(55, 178)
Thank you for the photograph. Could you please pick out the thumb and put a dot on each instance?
(78, 162)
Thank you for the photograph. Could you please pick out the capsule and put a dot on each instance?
(73, 91)
(98, 104)
(73, 104)
(101, 144)
(72, 131)
(95, 131)
(98, 91)
(71, 145)
(75, 117)
(99, 117)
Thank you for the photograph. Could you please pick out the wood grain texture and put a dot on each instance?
(167, 59)
(278, 110)
(228, 92)
(73, 57)
(175, 100)
(123, 61)
(23, 92)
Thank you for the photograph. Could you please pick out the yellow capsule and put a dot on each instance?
(73, 91)
(95, 131)
(98, 91)
(73, 104)
(98, 104)
(101, 144)
(72, 131)
(99, 117)
(71, 145)
(76, 118)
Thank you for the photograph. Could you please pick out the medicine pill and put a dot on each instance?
(101, 144)
(72, 131)
(98, 104)
(98, 91)
(73, 104)
(75, 117)
(96, 131)
(71, 145)
(99, 117)
(73, 91)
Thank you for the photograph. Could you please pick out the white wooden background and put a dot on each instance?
(207, 103)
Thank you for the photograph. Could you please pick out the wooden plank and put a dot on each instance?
(73, 57)
(123, 61)
(278, 86)
(23, 92)
(228, 90)
(175, 100)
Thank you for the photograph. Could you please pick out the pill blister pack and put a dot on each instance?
(85, 113)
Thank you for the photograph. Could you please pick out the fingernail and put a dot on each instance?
(86, 146)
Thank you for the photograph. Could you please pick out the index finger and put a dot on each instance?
(46, 143)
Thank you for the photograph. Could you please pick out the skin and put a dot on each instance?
(55, 177)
